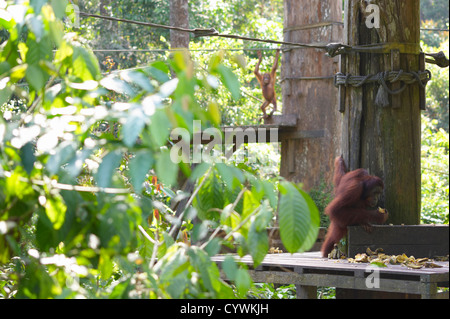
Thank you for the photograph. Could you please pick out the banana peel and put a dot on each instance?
(378, 257)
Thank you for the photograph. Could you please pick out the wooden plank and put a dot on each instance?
(309, 270)
(253, 134)
(347, 282)
(313, 264)
(417, 240)
(285, 120)
(422, 91)
(342, 88)
(288, 135)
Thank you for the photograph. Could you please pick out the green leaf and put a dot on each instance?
(311, 237)
(36, 26)
(106, 169)
(210, 196)
(63, 153)
(139, 165)
(250, 204)
(230, 267)
(166, 170)
(230, 81)
(214, 113)
(378, 264)
(209, 273)
(27, 157)
(16, 187)
(85, 65)
(243, 281)
(38, 51)
(263, 218)
(231, 175)
(213, 247)
(298, 218)
(159, 128)
(18, 73)
(117, 85)
(59, 7)
(258, 244)
(65, 51)
(114, 230)
(270, 193)
(122, 290)
(5, 92)
(36, 77)
(159, 71)
(46, 235)
(55, 208)
(105, 265)
(167, 242)
(138, 78)
(133, 125)
(37, 5)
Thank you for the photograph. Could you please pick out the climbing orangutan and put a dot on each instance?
(356, 197)
(267, 82)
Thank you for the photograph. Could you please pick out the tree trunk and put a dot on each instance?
(103, 4)
(385, 140)
(307, 154)
(179, 17)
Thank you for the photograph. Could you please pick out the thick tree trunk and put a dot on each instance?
(385, 140)
(307, 154)
(179, 17)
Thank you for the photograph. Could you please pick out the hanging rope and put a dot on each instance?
(406, 78)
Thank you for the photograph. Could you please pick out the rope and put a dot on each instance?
(382, 99)
(192, 50)
(422, 77)
(439, 59)
(332, 48)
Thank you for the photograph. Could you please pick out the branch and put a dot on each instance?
(67, 187)
(233, 206)
(176, 229)
(242, 223)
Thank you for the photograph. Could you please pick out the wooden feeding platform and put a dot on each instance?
(309, 271)
(275, 128)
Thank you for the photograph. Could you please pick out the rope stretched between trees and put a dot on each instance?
(332, 49)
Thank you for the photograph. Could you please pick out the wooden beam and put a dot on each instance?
(385, 141)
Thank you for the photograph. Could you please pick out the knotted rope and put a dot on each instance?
(382, 99)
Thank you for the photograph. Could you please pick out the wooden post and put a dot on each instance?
(309, 93)
(179, 17)
(385, 140)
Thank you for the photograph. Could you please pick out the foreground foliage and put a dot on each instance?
(88, 188)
